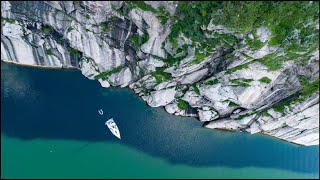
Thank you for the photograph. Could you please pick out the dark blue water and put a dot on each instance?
(63, 104)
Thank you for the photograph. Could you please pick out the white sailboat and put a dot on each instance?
(100, 111)
(113, 127)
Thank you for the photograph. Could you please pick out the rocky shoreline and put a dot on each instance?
(233, 86)
(39, 66)
(221, 129)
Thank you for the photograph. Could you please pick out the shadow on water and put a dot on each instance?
(63, 104)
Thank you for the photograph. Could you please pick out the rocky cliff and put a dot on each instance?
(248, 67)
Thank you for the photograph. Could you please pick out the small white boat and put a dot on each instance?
(113, 127)
(100, 111)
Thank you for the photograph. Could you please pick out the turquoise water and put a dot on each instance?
(51, 128)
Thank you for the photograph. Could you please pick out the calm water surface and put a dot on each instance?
(51, 128)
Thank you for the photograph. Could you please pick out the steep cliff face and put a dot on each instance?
(192, 59)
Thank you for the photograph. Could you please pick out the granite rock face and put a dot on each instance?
(161, 97)
(118, 44)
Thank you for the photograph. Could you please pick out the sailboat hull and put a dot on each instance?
(113, 127)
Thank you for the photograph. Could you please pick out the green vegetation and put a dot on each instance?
(265, 80)
(74, 52)
(104, 27)
(212, 82)
(8, 20)
(182, 105)
(106, 74)
(265, 113)
(113, 19)
(273, 41)
(292, 25)
(281, 106)
(60, 40)
(76, 3)
(160, 75)
(309, 88)
(255, 43)
(87, 59)
(171, 60)
(190, 22)
(141, 71)
(146, 92)
(234, 69)
(69, 29)
(120, 11)
(297, 14)
(282, 18)
(217, 40)
(229, 56)
(232, 104)
(87, 16)
(271, 62)
(184, 48)
(292, 56)
(47, 29)
(198, 58)
(195, 88)
(241, 82)
(240, 117)
(163, 15)
(303, 80)
(193, 18)
(231, 39)
(48, 52)
(179, 50)
(174, 44)
(136, 40)
(141, 5)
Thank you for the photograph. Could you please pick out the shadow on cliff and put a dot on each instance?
(65, 105)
